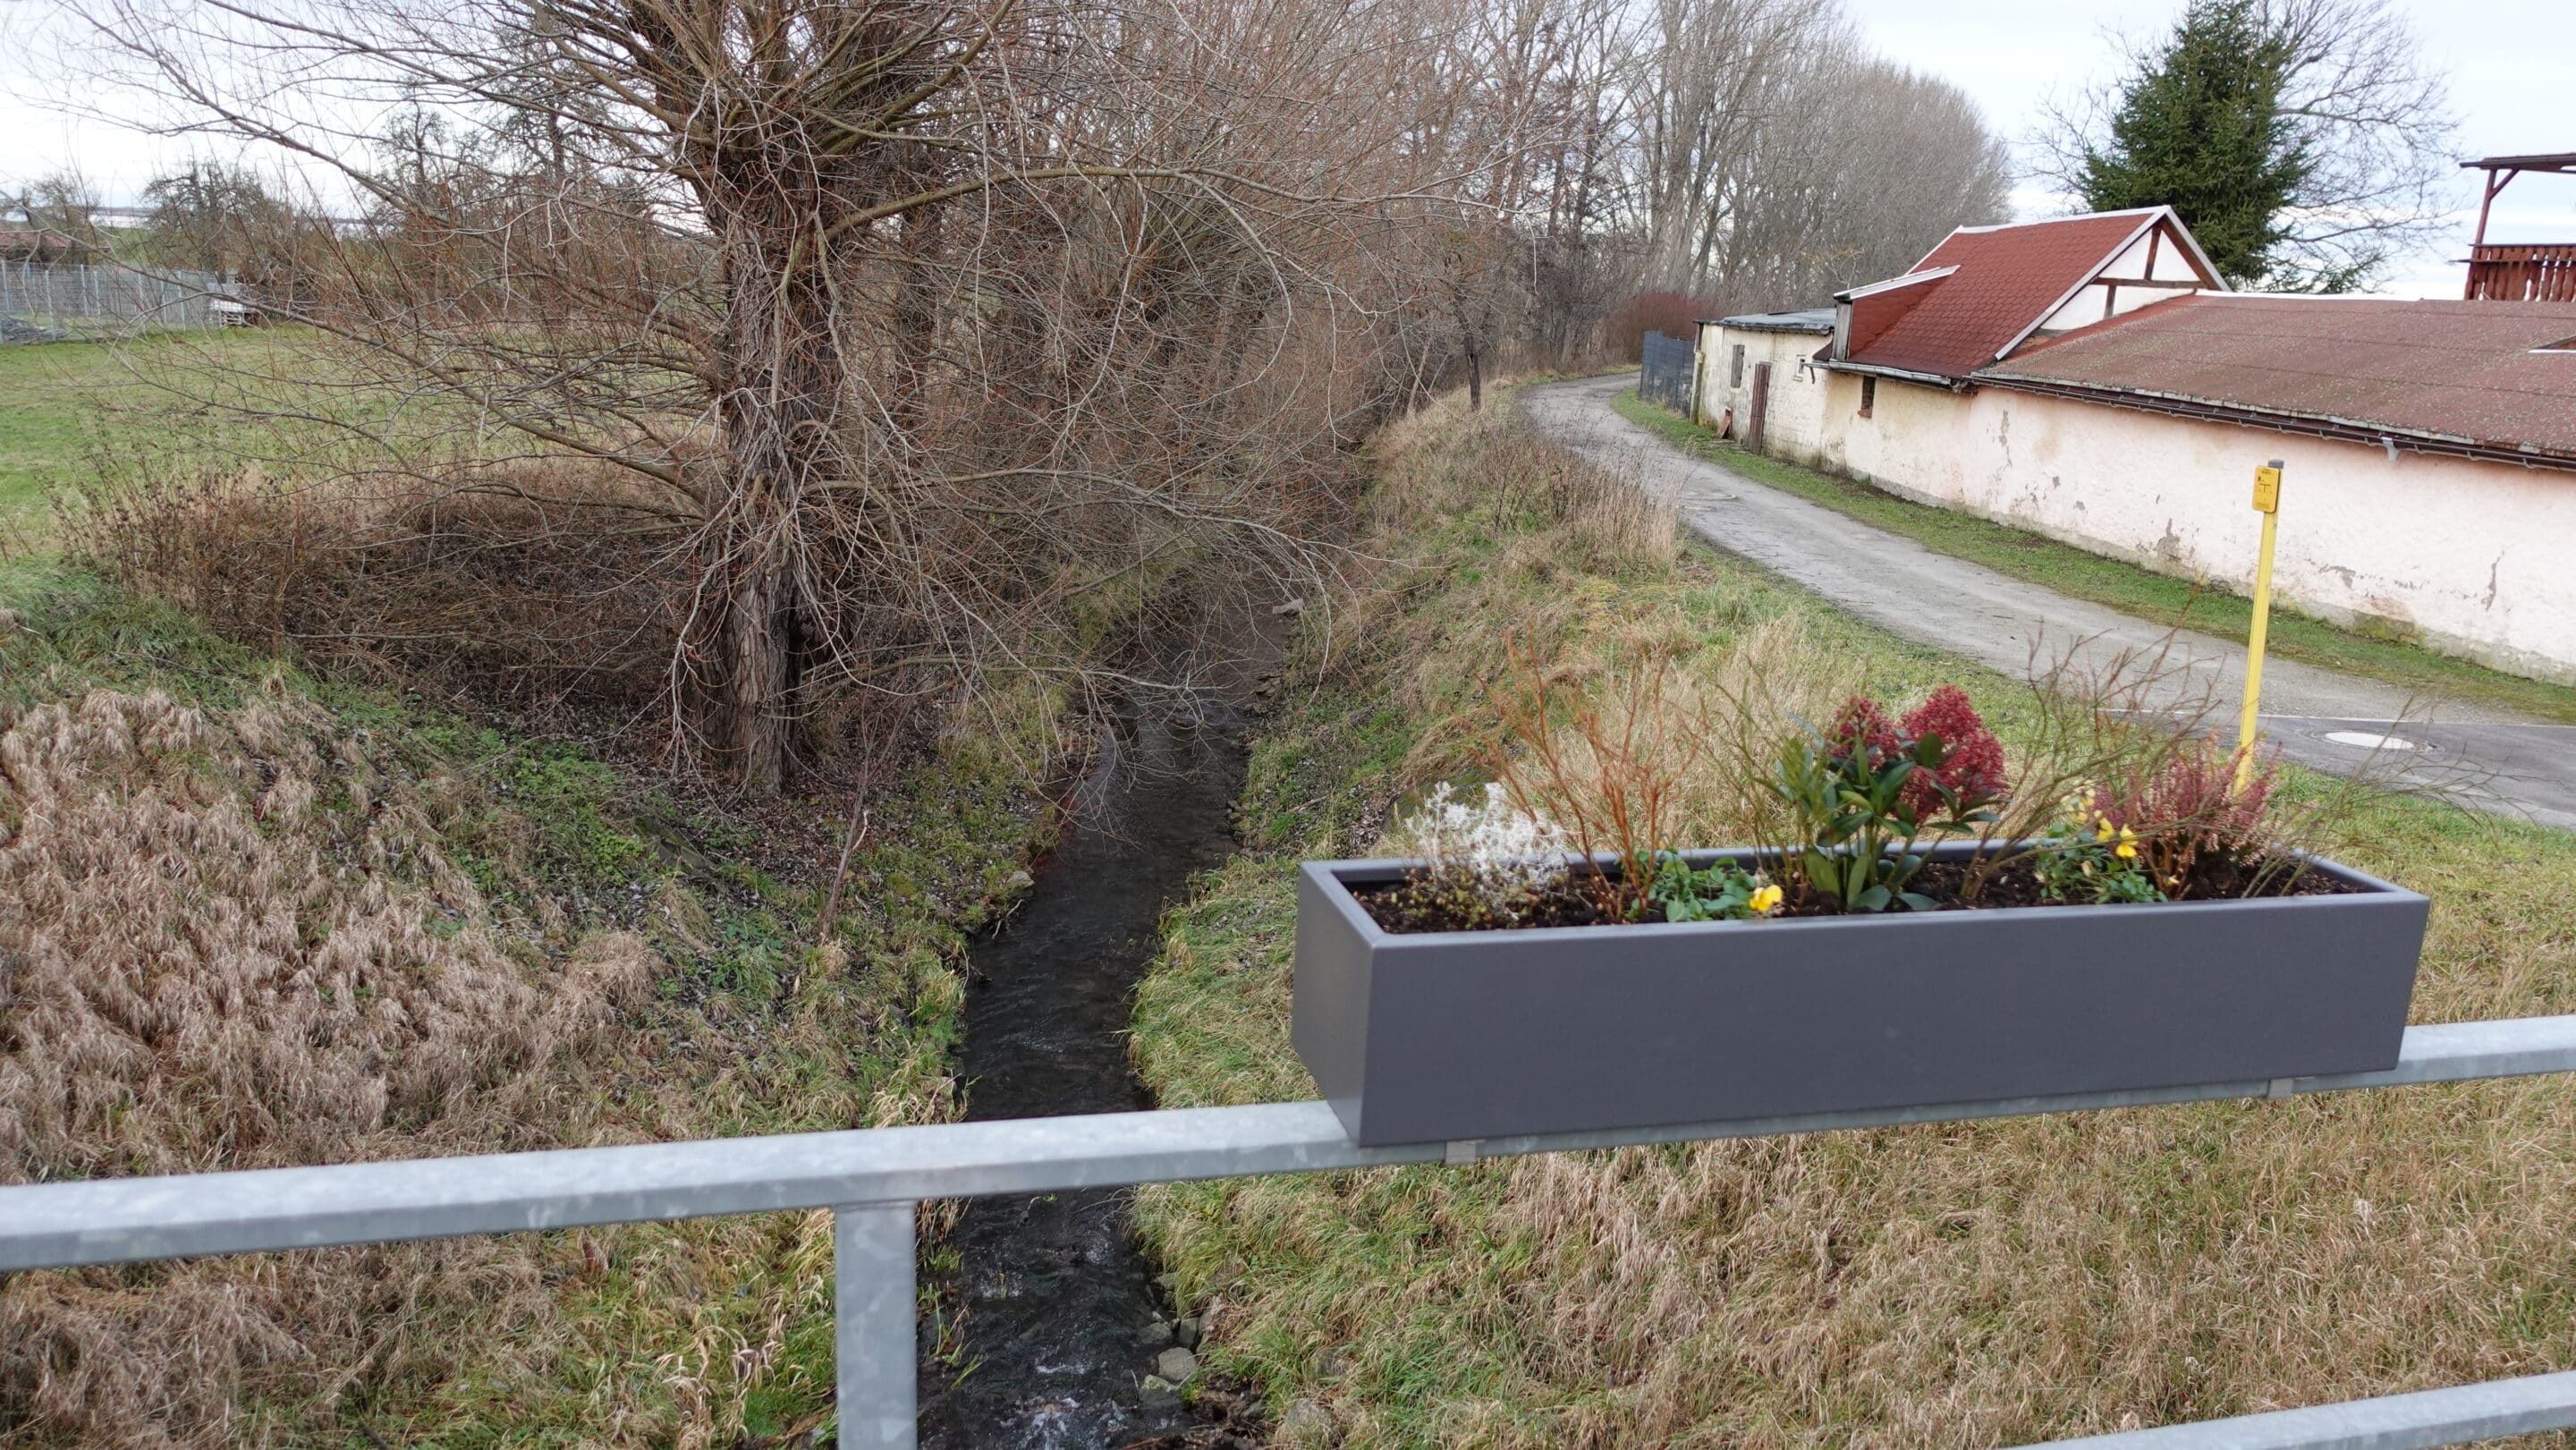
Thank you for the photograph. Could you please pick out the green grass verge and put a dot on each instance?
(228, 398)
(43, 392)
(2159, 598)
(1973, 1284)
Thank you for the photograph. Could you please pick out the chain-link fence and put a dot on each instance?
(63, 301)
(1665, 376)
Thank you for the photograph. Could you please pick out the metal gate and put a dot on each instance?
(1665, 377)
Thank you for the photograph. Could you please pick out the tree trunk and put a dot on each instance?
(1475, 380)
(779, 415)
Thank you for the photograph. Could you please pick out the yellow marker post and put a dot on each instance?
(2267, 501)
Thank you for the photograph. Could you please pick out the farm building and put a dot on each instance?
(2091, 379)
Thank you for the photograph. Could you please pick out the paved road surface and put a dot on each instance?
(2477, 754)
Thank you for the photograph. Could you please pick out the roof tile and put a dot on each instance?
(2467, 371)
(2008, 278)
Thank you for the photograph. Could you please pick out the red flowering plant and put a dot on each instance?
(1863, 794)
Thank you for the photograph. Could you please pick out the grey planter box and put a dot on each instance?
(1444, 1036)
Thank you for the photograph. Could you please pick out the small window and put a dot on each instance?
(1868, 395)
(1735, 369)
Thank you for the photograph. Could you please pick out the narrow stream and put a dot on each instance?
(1053, 1296)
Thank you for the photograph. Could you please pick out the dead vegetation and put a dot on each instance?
(248, 921)
(541, 587)
(230, 941)
(1980, 1284)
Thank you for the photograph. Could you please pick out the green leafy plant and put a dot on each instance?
(2091, 859)
(1723, 891)
(1864, 795)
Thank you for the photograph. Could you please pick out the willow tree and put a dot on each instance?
(908, 320)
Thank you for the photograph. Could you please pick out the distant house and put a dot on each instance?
(2093, 380)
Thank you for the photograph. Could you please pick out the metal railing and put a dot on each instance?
(874, 1178)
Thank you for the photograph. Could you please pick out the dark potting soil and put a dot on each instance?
(1421, 904)
(1044, 1332)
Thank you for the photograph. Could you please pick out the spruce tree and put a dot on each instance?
(2200, 128)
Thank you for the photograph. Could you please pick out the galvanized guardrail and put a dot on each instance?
(874, 1178)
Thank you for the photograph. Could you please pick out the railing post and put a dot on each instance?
(872, 1311)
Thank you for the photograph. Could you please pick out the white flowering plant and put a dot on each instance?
(1485, 857)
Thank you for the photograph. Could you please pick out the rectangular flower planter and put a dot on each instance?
(1494, 1034)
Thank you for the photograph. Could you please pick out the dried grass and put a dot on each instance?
(234, 941)
(531, 585)
(1977, 1284)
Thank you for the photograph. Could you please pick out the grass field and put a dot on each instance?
(2144, 593)
(46, 390)
(1980, 1284)
(66, 408)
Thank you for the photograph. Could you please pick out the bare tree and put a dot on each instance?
(1856, 188)
(61, 208)
(1779, 159)
(920, 325)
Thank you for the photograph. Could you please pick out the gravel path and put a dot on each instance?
(2477, 754)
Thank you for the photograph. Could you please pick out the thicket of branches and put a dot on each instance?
(920, 336)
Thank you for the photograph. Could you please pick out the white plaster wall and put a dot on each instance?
(1796, 424)
(2472, 558)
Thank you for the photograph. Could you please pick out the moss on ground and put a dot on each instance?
(1990, 1283)
(2144, 593)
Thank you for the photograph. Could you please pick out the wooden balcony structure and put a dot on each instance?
(2519, 271)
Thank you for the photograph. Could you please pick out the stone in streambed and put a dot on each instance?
(1186, 1331)
(1176, 1364)
(1158, 1393)
(1157, 1335)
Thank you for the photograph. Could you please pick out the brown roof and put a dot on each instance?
(2469, 373)
(2547, 161)
(2008, 279)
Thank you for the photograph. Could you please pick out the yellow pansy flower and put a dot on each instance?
(1766, 900)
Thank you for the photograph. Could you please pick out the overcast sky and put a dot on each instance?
(2513, 96)
(2513, 65)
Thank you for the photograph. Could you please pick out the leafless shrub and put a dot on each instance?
(537, 585)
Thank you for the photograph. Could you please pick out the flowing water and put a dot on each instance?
(1052, 1295)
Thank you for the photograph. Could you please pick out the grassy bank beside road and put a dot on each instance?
(1981, 1284)
(252, 917)
(2144, 593)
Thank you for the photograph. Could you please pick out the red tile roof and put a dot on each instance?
(2009, 278)
(2460, 372)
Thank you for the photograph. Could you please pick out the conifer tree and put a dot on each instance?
(2201, 128)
